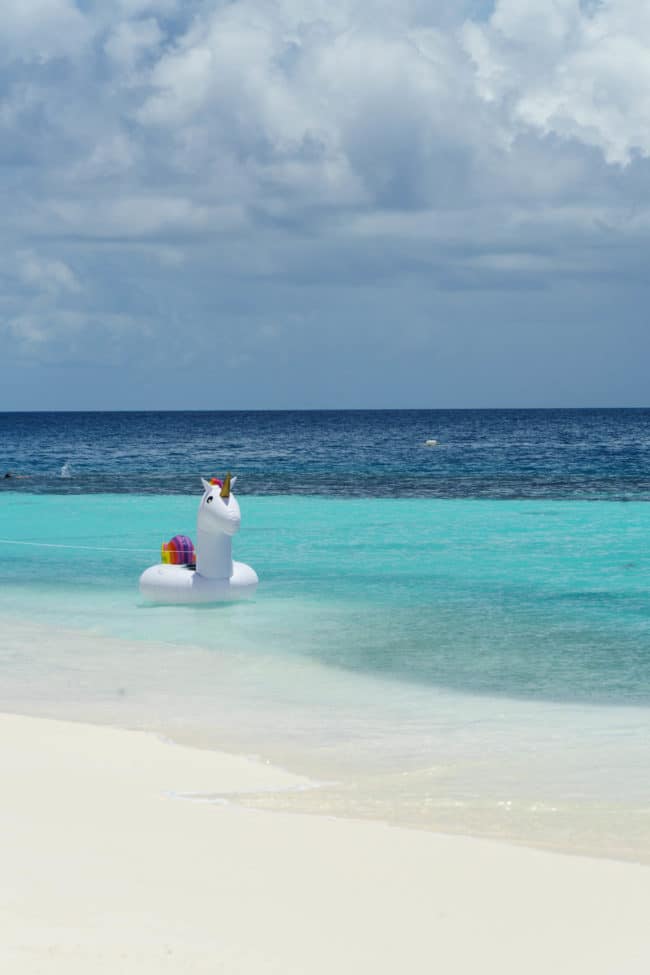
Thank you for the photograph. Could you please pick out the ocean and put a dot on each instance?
(452, 637)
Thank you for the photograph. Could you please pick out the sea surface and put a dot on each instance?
(558, 454)
(453, 637)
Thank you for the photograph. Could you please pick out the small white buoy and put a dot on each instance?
(430, 443)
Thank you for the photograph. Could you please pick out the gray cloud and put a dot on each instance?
(288, 174)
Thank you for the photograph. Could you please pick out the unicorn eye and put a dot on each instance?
(209, 499)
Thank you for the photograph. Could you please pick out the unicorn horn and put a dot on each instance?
(225, 490)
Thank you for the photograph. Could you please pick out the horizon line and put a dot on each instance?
(336, 409)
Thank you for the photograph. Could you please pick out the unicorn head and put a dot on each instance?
(219, 511)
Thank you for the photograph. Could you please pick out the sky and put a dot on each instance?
(230, 204)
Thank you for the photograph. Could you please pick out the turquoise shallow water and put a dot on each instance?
(475, 665)
(527, 599)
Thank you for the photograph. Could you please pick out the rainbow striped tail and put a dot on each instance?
(178, 551)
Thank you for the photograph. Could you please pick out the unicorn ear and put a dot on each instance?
(233, 481)
(206, 485)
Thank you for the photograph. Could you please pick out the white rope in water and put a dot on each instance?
(86, 548)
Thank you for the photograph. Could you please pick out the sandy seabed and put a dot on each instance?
(123, 853)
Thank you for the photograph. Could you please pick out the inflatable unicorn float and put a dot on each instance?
(208, 575)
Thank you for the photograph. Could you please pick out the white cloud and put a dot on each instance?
(46, 274)
(196, 144)
(135, 8)
(139, 215)
(129, 41)
(331, 108)
(314, 101)
(39, 30)
(564, 70)
(63, 335)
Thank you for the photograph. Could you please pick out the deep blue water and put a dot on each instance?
(561, 454)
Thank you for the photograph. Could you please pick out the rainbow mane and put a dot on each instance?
(178, 551)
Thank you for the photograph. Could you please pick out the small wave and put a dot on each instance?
(65, 470)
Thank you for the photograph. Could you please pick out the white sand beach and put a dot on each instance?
(108, 867)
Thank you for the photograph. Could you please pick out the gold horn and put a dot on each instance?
(225, 490)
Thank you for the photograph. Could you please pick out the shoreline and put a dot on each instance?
(108, 867)
(106, 681)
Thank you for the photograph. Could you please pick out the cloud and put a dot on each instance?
(212, 168)
(41, 30)
(138, 216)
(130, 41)
(563, 68)
(55, 336)
(314, 104)
(291, 113)
(46, 274)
